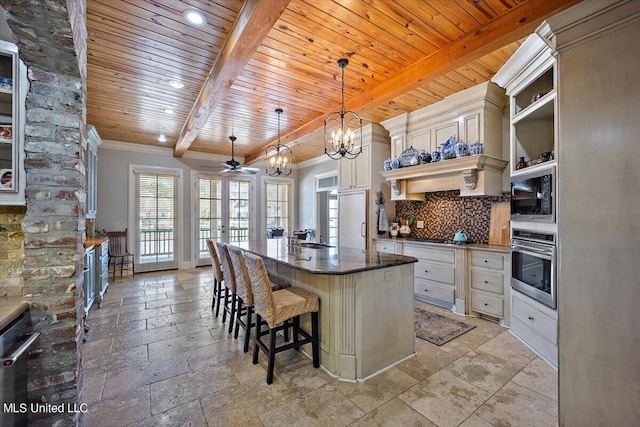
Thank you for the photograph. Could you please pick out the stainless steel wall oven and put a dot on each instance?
(533, 265)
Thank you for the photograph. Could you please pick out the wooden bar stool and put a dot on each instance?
(245, 294)
(229, 285)
(218, 276)
(281, 306)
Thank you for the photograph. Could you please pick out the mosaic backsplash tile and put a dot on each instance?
(445, 212)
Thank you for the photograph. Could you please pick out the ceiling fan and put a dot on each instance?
(233, 165)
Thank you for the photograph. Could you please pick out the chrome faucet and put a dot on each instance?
(322, 239)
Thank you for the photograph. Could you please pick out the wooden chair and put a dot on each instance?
(218, 276)
(244, 294)
(280, 307)
(119, 252)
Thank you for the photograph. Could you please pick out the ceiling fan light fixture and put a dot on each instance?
(279, 163)
(343, 129)
(162, 138)
(194, 17)
(169, 110)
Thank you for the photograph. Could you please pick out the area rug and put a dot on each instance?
(437, 329)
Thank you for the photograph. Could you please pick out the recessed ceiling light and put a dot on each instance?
(162, 138)
(169, 111)
(194, 17)
(177, 84)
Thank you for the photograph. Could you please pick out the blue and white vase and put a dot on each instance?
(425, 157)
(461, 148)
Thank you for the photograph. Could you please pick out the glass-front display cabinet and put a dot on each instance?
(12, 79)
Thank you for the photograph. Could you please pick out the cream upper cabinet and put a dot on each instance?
(13, 81)
(421, 141)
(93, 141)
(355, 173)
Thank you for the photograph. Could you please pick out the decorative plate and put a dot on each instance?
(406, 156)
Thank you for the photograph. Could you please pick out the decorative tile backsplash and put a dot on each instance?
(445, 212)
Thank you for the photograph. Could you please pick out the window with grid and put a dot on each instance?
(239, 210)
(277, 199)
(155, 217)
(210, 213)
(333, 218)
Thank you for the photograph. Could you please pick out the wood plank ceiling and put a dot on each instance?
(403, 55)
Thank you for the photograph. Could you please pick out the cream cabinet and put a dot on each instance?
(434, 273)
(536, 325)
(489, 288)
(101, 270)
(386, 246)
(13, 81)
(355, 173)
(89, 278)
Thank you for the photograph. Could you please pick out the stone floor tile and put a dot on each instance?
(108, 362)
(143, 298)
(242, 403)
(173, 298)
(181, 389)
(540, 377)
(375, 391)
(186, 415)
(98, 332)
(92, 387)
(483, 370)
(179, 344)
(134, 376)
(521, 407)
(324, 407)
(428, 360)
(445, 399)
(190, 306)
(302, 380)
(96, 348)
(135, 339)
(393, 413)
(509, 348)
(214, 354)
(144, 314)
(476, 421)
(126, 408)
(192, 325)
(171, 319)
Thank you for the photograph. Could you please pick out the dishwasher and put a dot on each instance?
(14, 343)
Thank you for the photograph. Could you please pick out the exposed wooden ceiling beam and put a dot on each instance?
(513, 25)
(253, 24)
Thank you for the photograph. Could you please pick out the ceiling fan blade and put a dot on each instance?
(250, 168)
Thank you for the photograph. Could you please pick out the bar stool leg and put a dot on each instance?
(218, 298)
(272, 355)
(226, 302)
(248, 332)
(233, 311)
(238, 315)
(315, 347)
(256, 338)
(296, 329)
(215, 293)
(286, 330)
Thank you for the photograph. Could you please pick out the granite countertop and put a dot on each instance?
(325, 260)
(482, 246)
(10, 309)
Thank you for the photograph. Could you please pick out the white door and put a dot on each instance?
(352, 220)
(223, 212)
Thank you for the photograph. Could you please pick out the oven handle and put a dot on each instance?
(533, 249)
(8, 361)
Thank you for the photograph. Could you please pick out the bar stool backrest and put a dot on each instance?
(243, 285)
(261, 287)
(229, 274)
(215, 261)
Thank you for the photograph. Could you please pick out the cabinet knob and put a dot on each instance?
(486, 303)
(486, 260)
(530, 317)
(426, 271)
(426, 290)
(486, 281)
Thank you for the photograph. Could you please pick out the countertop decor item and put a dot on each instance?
(425, 157)
(407, 157)
(460, 237)
(339, 138)
(521, 164)
(448, 148)
(461, 148)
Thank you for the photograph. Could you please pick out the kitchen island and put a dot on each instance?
(366, 302)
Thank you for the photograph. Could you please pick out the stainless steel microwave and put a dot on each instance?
(532, 196)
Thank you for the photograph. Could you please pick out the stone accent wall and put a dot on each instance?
(11, 250)
(445, 212)
(51, 37)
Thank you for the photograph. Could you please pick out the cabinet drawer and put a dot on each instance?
(432, 254)
(487, 281)
(387, 247)
(432, 271)
(487, 304)
(433, 290)
(535, 319)
(487, 259)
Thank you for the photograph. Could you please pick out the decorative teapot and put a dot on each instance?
(460, 237)
(461, 148)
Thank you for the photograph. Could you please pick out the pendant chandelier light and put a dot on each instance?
(279, 164)
(343, 129)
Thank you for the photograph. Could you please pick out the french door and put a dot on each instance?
(156, 231)
(224, 212)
